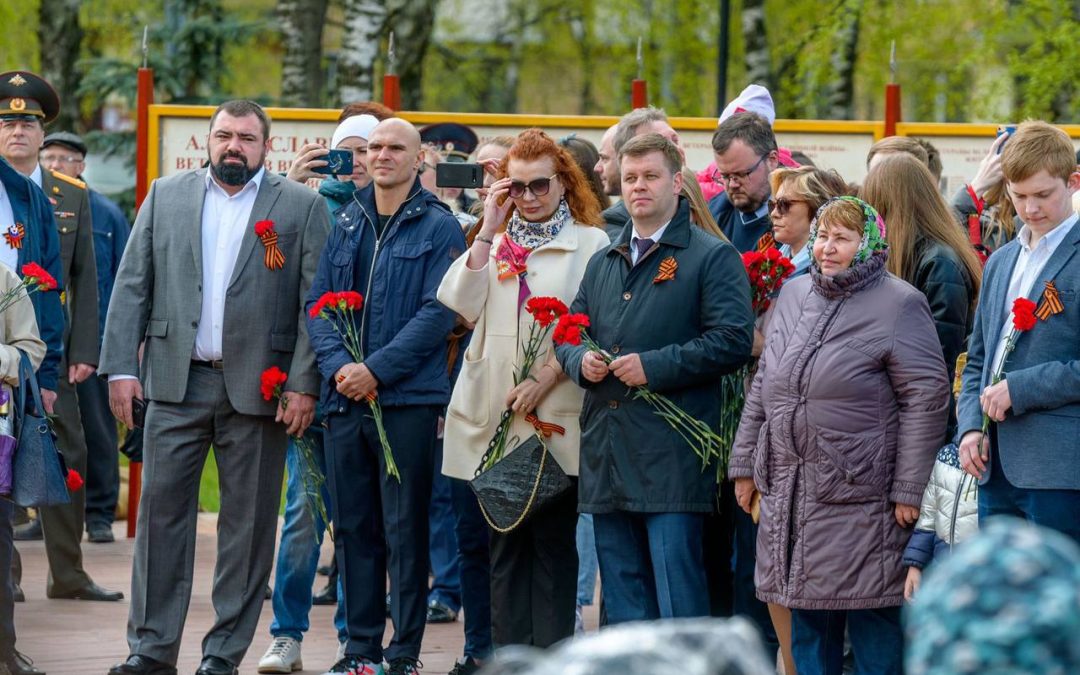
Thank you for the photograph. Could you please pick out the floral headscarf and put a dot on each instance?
(873, 239)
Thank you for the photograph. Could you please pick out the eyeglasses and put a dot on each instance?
(783, 205)
(738, 175)
(538, 187)
(66, 159)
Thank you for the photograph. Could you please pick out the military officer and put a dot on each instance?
(27, 103)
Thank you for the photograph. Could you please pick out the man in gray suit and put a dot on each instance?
(214, 305)
(1029, 466)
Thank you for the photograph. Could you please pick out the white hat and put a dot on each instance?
(357, 125)
(756, 99)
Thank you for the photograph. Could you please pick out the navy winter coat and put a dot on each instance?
(403, 327)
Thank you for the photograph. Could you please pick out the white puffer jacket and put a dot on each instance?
(949, 512)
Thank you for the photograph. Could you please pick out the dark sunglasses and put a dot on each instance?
(538, 187)
(783, 205)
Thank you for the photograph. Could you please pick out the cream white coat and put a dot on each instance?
(489, 363)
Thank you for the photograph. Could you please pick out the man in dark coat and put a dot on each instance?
(746, 153)
(671, 304)
(65, 153)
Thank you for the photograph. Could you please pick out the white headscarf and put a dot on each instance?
(357, 125)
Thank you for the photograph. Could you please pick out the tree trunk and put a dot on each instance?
(841, 93)
(301, 69)
(364, 23)
(60, 39)
(758, 69)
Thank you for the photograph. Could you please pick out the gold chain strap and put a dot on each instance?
(528, 504)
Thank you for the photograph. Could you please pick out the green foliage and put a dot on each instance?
(19, 48)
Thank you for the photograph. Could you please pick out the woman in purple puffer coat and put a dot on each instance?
(839, 434)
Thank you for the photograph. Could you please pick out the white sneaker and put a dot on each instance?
(283, 656)
(579, 621)
(340, 651)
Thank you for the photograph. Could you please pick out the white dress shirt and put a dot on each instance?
(224, 219)
(8, 255)
(655, 237)
(35, 176)
(1029, 264)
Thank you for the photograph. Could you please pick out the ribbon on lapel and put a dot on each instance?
(273, 257)
(546, 428)
(1051, 303)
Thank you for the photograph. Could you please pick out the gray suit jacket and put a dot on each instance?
(1037, 442)
(158, 293)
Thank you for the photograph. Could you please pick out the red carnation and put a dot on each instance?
(568, 330)
(1024, 315)
(264, 226)
(327, 298)
(74, 480)
(545, 310)
(772, 255)
(38, 277)
(350, 300)
(271, 382)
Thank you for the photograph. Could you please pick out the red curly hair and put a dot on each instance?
(534, 144)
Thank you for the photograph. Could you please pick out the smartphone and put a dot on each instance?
(338, 163)
(1005, 129)
(459, 174)
(138, 412)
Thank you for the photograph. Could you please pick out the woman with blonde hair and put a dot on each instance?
(927, 250)
(538, 232)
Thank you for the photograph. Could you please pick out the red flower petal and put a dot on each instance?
(74, 480)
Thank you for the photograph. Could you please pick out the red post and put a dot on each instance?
(892, 108)
(639, 93)
(142, 132)
(144, 98)
(391, 92)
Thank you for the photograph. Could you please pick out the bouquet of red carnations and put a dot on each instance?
(701, 439)
(311, 474)
(545, 311)
(338, 308)
(35, 278)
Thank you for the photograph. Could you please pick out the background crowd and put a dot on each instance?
(892, 394)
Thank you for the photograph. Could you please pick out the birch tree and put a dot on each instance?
(365, 21)
(302, 73)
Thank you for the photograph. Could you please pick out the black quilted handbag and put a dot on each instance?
(519, 485)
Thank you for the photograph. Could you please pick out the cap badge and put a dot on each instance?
(17, 80)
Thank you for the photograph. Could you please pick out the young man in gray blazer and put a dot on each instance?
(1029, 463)
(213, 306)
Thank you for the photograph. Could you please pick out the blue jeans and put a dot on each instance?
(586, 567)
(651, 565)
(298, 553)
(1056, 509)
(445, 572)
(877, 641)
(474, 554)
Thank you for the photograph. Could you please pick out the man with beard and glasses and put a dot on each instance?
(745, 150)
(212, 285)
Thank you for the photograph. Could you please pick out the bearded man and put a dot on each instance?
(212, 284)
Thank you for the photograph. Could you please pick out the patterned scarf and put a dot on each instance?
(873, 238)
(523, 237)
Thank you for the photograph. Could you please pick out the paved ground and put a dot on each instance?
(69, 637)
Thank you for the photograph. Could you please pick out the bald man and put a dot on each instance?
(392, 243)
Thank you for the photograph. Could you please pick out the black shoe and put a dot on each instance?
(17, 593)
(20, 664)
(215, 665)
(100, 533)
(268, 593)
(466, 666)
(137, 664)
(404, 666)
(30, 531)
(438, 612)
(327, 596)
(91, 591)
(324, 570)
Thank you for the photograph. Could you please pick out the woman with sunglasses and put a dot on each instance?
(538, 232)
(797, 195)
